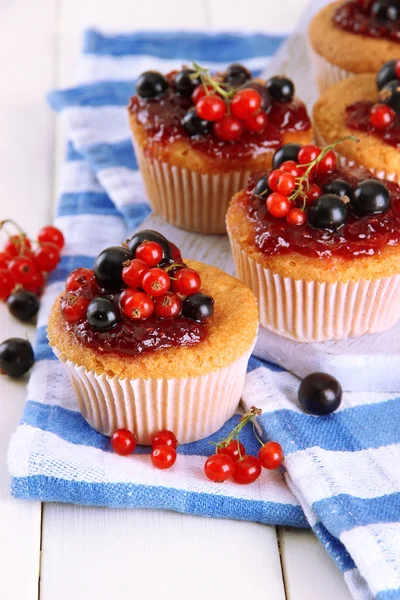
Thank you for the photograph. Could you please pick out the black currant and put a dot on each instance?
(262, 90)
(327, 212)
(390, 94)
(23, 305)
(280, 88)
(236, 75)
(320, 394)
(16, 357)
(184, 83)
(370, 197)
(286, 152)
(108, 267)
(151, 84)
(102, 314)
(262, 188)
(386, 73)
(194, 125)
(198, 307)
(149, 235)
(339, 187)
(385, 10)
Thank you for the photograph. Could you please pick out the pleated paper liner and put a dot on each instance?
(326, 74)
(189, 199)
(312, 311)
(192, 407)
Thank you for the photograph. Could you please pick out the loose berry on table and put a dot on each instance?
(247, 470)
(150, 253)
(7, 284)
(17, 245)
(23, 305)
(123, 442)
(245, 103)
(73, 308)
(320, 394)
(219, 467)
(278, 204)
(164, 438)
(234, 449)
(163, 457)
(47, 256)
(4, 260)
(133, 272)
(36, 283)
(53, 235)
(16, 357)
(168, 306)
(270, 455)
(229, 128)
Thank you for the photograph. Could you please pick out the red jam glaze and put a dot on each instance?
(351, 16)
(161, 120)
(359, 237)
(358, 118)
(135, 338)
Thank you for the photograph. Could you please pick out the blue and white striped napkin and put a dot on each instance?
(342, 471)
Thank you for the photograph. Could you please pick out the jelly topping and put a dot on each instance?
(358, 118)
(356, 18)
(358, 237)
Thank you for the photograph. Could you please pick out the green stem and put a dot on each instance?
(207, 80)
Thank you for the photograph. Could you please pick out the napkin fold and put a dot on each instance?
(341, 473)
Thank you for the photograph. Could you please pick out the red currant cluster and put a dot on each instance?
(231, 461)
(24, 265)
(384, 114)
(163, 443)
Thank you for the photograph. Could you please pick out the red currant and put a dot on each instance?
(286, 183)
(176, 253)
(200, 92)
(246, 103)
(163, 457)
(313, 192)
(53, 235)
(247, 470)
(257, 123)
(36, 283)
(168, 306)
(210, 108)
(137, 305)
(228, 129)
(7, 284)
(278, 205)
(17, 244)
(73, 307)
(156, 282)
(150, 252)
(79, 279)
(219, 467)
(289, 166)
(397, 68)
(382, 116)
(308, 153)
(47, 257)
(273, 179)
(234, 449)
(123, 442)
(22, 268)
(328, 163)
(296, 216)
(133, 272)
(164, 438)
(270, 455)
(186, 282)
(4, 260)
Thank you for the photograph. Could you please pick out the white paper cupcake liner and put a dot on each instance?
(312, 311)
(326, 74)
(189, 199)
(192, 407)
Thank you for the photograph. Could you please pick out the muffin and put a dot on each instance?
(197, 138)
(357, 36)
(368, 107)
(153, 343)
(322, 255)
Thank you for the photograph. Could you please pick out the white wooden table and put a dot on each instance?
(59, 552)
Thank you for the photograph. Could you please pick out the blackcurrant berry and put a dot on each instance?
(198, 307)
(236, 75)
(370, 197)
(262, 188)
(23, 305)
(149, 235)
(108, 267)
(16, 357)
(184, 84)
(320, 394)
(102, 314)
(262, 90)
(386, 73)
(385, 10)
(151, 84)
(390, 95)
(285, 152)
(327, 212)
(194, 125)
(339, 187)
(280, 88)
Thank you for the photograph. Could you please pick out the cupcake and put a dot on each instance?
(357, 36)
(368, 107)
(153, 343)
(319, 246)
(197, 138)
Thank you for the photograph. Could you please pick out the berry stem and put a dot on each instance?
(206, 79)
(245, 418)
(21, 234)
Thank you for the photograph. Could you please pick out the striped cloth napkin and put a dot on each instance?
(341, 472)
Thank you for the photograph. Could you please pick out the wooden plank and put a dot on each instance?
(27, 54)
